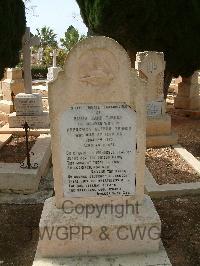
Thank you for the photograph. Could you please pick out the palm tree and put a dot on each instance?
(47, 37)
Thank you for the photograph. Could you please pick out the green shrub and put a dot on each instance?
(39, 72)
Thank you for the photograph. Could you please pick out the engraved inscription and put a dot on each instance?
(154, 109)
(98, 148)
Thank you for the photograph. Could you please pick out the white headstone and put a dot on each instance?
(95, 134)
(151, 65)
(98, 149)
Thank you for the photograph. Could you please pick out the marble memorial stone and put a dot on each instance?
(98, 126)
(98, 150)
(151, 66)
(102, 76)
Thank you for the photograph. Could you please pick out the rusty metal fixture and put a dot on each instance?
(13, 100)
(28, 160)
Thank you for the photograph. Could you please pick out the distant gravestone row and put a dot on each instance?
(28, 105)
(54, 70)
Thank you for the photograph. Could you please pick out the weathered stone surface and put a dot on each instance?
(28, 104)
(122, 230)
(34, 121)
(188, 94)
(53, 73)
(151, 66)
(98, 150)
(102, 75)
(13, 82)
(154, 259)
(26, 181)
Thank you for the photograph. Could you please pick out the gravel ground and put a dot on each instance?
(167, 167)
(181, 229)
(188, 131)
(15, 150)
(18, 234)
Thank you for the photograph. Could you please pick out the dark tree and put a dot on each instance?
(12, 28)
(169, 26)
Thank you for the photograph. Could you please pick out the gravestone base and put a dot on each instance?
(194, 114)
(187, 103)
(161, 141)
(14, 179)
(158, 258)
(160, 125)
(34, 121)
(76, 234)
(159, 132)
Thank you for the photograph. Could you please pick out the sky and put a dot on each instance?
(56, 14)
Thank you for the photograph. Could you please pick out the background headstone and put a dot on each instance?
(54, 70)
(188, 93)
(12, 84)
(151, 66)
(28, 105)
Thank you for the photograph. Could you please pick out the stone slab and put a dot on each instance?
(161, 141)
(188, 157)
(159, 258)
(14, 73)
(4, 138)
(45, 191)
(194, 114)
(40, 121)
(155, 190)
(187, 103)
(14, 179)
(28, 104)
(20, 131)
(159, 125)
(122, 230)
(3, 117)
(15, 86)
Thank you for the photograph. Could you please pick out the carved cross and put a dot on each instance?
(27, 43)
